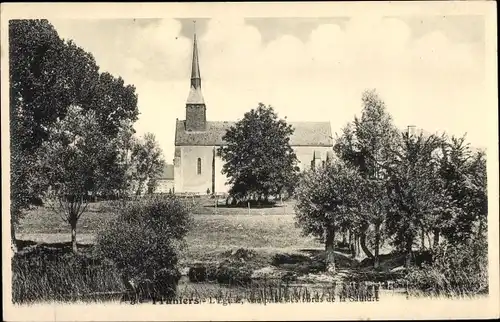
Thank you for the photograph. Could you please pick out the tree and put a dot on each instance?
(44, 73)
(78, 161)
(413, 189)
(366, 144)
(47, 76)
(326, 199)
(463, 183)
(259, 160)
(147, 163)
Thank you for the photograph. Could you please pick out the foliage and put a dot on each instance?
(456, 270)
(146, 236)
(463, 182)
(326, 199)
(38, 97)
(413, 188)
(146, 162)
(49, 78)
(367, 144)
(259, 160)
(78, 162)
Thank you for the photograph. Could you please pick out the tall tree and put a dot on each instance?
(259, 160)
(326, 199)
(366, 144)
(44, 73)
(78, 161)
(47, 77)
(463, 175)
(413, 189)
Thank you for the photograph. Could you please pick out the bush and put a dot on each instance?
(233, 274)
(145, 238)
(197, 273)
(455, 270)
(202, 272)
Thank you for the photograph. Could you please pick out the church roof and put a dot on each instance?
(167, 172)
(305, 134)
(195, 96)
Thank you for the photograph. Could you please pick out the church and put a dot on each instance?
(197, 168)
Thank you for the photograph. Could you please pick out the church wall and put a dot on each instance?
(191, 180)
(188, 180)
(305, 154)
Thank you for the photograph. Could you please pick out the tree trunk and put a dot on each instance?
(344, 237)
(358, 250)
(13, 236)
(362, 242)
(352, 246)
(73, 235)
(409, 243)
(422, 238)
(436, 238)
(376, 260)
(330, 249)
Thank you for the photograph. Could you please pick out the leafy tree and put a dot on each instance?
(366, 144)
(463, 176)
(47, 76)
(326, 199)
(44, 73)
(413, 189)
(147, 163)
(78, 161)
(259, 160)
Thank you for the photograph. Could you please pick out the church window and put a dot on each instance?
(198, 168)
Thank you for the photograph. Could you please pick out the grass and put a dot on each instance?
(53, 273)
(266, 229)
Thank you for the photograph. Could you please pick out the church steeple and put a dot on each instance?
(195, 66)
(195, 106)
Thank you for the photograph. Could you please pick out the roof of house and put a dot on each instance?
(305, 134)
(168, 172)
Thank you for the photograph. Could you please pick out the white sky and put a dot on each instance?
(427, 77)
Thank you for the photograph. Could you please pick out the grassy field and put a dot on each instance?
(214, 230)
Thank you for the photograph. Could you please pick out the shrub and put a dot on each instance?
(145, 238)
(197, 273)
(233, 274)
(201, 272)
(455, 270)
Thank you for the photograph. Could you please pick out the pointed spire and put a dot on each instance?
(195, 68)
(195, 95)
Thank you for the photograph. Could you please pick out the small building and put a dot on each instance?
(166, 180)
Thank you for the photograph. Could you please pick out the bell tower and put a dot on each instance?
(196, 110)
